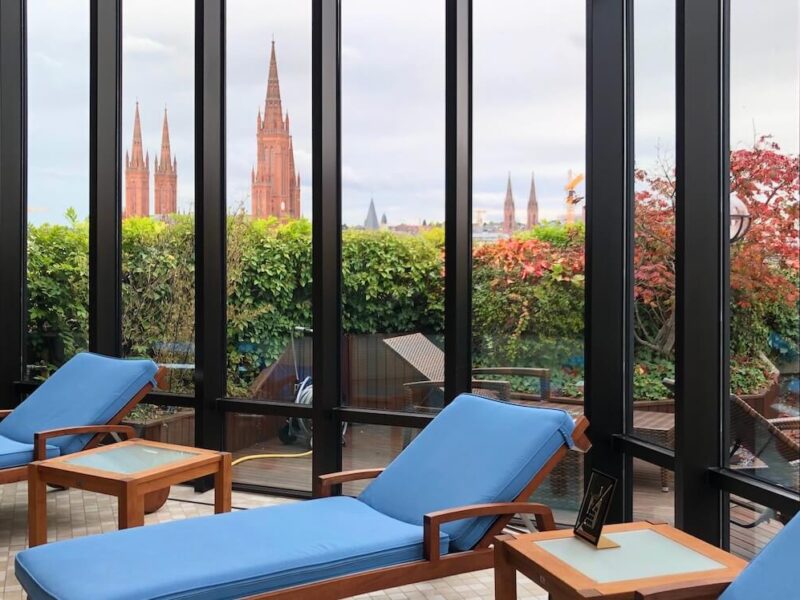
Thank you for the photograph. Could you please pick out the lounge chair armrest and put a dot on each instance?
(682, 591)
(5, 412)
(40, 437)
(432, 522)
(326, 482)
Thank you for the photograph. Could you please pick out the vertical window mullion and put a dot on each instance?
(13, 195)
(701, 264)
(210, 221)
(105, 199)
(326, 237)
(609, 192)
(458, 201)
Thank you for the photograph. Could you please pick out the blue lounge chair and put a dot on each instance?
(773, 573)
(432, 512)
(73, 410)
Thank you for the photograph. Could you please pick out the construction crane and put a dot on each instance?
(572, 199)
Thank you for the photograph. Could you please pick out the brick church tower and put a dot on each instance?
(165, 178)
(137, 175)
(509, 220)
(275, 184)
(533, 206)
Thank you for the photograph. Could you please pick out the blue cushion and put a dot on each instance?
(88, 390)
(14, 453)
(476, 450)
(774, 571)
(223, 556)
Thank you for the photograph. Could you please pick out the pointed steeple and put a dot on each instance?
(273, 112)
(137, 151)
(509, 218)
(166, 175)
(166, 155)
(137, 174)
(533, 205)
(371, 222)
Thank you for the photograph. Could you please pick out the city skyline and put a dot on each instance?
(392, 96)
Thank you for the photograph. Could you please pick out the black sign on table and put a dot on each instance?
(594, 510)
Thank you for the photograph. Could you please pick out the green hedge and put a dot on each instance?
(528, 297)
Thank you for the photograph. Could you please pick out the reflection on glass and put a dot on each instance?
(58, 183)
(275, 459)
(752, 526)
(654, 221)
(764, 406)
(393, 100)
(528, 231)
(371, 447)
(269, 200)
(158, 187)
(653, 493)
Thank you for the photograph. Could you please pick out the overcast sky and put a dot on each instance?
(529, 95)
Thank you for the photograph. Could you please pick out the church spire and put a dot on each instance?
(273, 112)
(137, 151)
(509, 219)
(137, 174)
(166, 175)
(166, 154)
(533, 205)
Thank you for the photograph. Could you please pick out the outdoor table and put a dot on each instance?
(128, 470)
(648, 555)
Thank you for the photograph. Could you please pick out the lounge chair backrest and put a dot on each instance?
(773, 573)
(475, 451)
(89, 389)
(764, 441)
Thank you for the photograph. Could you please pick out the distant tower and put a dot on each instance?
(371, 222)
(509, 220)
(384, 221)
(165, 179)
(533, 206)
(137, 175)
(275, 184)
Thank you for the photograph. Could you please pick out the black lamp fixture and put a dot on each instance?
(740, 219)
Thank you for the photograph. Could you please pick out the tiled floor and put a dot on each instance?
(75, 513)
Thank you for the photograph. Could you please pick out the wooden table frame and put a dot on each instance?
(563, 582)
(129, 488)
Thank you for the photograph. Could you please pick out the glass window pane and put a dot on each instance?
(529, 147)
(58, 183)
(653, 493)
(158, 186)
(654, 221)
(752, 526)
(269, 199)
(393, 134)
(764, 408)
(270, 341)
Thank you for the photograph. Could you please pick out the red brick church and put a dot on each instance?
(275, 188)
(137, 175)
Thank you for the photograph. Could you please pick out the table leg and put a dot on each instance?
(37, 508)
(131, 508)
(222, 485)
(505, 576)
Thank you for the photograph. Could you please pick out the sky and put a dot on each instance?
(528, 81)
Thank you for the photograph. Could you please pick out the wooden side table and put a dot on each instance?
(128, 470)
(649, 555)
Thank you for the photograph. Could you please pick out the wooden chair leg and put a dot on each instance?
(37, 508)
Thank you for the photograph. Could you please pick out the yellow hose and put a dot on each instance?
(242, 459)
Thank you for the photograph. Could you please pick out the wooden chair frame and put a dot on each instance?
(433, 565)
(20, 473)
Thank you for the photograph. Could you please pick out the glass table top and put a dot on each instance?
(130, 458)
(642, 553)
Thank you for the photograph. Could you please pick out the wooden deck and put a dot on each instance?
(375, 446)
